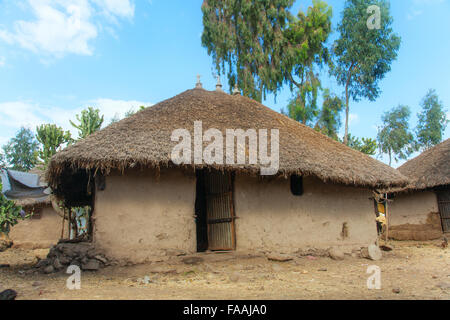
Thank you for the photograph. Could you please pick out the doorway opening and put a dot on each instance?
(214, 207)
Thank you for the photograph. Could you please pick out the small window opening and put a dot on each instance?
(297, 185)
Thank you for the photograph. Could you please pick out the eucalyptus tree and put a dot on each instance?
(364, 51)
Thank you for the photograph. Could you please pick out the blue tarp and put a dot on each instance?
(21, 185)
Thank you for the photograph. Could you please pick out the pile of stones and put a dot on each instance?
(80, 254)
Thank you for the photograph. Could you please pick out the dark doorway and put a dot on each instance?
(443, 196)
(215, 211)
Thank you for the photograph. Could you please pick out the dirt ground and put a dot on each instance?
(411, 271)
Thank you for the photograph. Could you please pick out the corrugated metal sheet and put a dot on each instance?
(220, 211)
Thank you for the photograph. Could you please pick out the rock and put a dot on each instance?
(145, 280)
(311, 258)
(42, 263)
(336, 254)
(444, 286)
(8, 295)
(75, 262)
(49, 269)
(4, 266)
(386, 247)
(396, 290)
(192, 260)
(279, 257)
(101, 259)
(91, 265)
(235, 277)
(64, 260)
(57, 264)
(37, 284)
(323, 269)
(374, 252)
(175, 252)
(5, 244)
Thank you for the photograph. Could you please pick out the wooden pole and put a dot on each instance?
(63, 223)
(70, 222)
(387, 218)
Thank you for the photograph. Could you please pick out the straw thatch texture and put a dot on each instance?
(430, 169)
(144, 140)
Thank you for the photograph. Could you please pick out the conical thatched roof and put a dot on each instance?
(430, 169)
(144, 140)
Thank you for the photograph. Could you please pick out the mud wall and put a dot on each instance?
(142, 215)
(414, 216)
(271, 218)
(38, 233)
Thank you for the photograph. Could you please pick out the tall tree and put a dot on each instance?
(247, 38)
(305, 38)
(363, 55)
(21, 152)
(51, 138)
(432, 121)
(90, 121)
(394, 137)
(329, 120)
(364, 145)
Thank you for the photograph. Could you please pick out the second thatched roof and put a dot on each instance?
(144, 140)
(430, 169)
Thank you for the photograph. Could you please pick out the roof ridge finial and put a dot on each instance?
(219, 84)
(198, 85)
(236, 90)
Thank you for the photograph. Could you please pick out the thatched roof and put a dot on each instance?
(144, 140)
(430, 169)
(33, 204)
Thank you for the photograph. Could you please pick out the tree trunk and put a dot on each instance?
(347, 111)
(347, 98)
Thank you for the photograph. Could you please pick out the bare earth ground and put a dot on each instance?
(411, 271)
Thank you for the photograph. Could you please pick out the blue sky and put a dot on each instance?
(59, 56)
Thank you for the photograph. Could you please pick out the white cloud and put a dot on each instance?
(16, 114)
(418, 6)
(353, 118)
(116, 108)
(2, 61)
(60, 27)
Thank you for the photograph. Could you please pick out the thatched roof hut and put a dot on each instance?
(430, 169)
(43, 228)
(143, 140)
(145, 205)
(421, 210)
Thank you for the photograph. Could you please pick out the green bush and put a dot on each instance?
(9, 214)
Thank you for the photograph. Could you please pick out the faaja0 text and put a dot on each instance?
(231, 309)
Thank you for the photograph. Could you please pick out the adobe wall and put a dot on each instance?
(271, 218)
(37, 233)
(140, 216)
(414, 216)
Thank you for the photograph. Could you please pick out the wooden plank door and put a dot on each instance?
(444, 208)
(220, 211)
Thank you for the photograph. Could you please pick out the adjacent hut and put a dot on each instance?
(43, 229)
(146, 206)
(421, 211)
